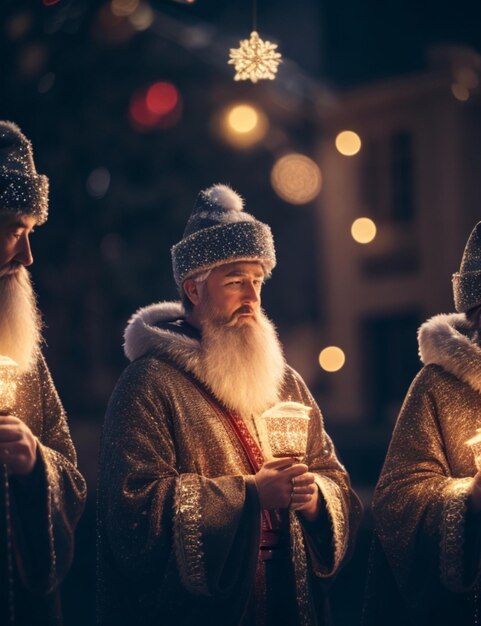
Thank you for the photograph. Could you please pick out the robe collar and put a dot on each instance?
(447, 340)
(152, 329)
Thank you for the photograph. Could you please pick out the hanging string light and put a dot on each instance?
(255, 59)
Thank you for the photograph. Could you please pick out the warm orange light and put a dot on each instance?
(348, 143)
(243, 118)
(142, 18)
(242, 124)
(363, 230)
(332, 359)
(296, 178)
(460, 92)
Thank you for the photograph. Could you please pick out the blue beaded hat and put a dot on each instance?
(467, 282)
(22, 190)
(219, 231)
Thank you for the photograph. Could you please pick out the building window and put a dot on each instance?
(401, 177)
(387, 177)
(391, 361)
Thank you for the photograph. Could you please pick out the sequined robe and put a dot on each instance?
(425, 561)
(45, 507)
(179, 516)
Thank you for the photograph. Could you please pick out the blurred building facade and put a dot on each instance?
(417, 177)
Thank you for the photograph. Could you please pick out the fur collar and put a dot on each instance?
(144, 334)
(238, 387)
(446, 340)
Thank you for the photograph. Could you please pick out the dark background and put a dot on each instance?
(68, 73)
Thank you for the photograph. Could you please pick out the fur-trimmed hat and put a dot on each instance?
(22, 190)
(467, 282)
(219, 231)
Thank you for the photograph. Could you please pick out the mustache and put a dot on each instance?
(10, 269)
(245, 309)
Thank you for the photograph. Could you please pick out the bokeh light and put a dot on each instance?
(32, 59)
(363, 230)
(348, 143)
(161, 98)
(296, 178)
(332, 359)
(157, 106)
(467, 77)
(98, 182)
(142, 18)
(242, 125)
(243, 118)
(108, 28)
(460, 92)
(18, 25)
(123, 8)
(140, 114)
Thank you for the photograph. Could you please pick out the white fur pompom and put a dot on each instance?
(224, 196)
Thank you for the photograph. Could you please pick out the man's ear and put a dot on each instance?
(191, 288)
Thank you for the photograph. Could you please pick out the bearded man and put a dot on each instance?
(42, 493)
(426, 556)
(198, 524)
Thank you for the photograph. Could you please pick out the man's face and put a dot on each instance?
(231, 293)
(15, 249)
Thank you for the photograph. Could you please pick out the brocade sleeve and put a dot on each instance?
(48, 503)
(169, 529)
(330, 538)
(419, 508)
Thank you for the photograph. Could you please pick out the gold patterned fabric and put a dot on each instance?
(45, 505)
(426, 552)
(179, 516)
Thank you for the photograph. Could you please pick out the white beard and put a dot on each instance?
(242, 363)
(20, 320)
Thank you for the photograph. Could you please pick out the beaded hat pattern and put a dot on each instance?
(219, 231)
(467, 282)
(22, 190)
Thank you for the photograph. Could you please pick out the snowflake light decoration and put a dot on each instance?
(255, 59)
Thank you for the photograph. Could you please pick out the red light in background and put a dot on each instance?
(158, 106)
(162, 98)
(139, 112)
(50, 3)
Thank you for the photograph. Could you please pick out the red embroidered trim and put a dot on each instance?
(252, 450)
(254, 453)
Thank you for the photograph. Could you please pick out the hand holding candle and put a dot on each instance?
(285, 429)
(18, 445)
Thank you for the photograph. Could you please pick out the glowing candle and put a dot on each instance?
(287, 426)
(8, 383)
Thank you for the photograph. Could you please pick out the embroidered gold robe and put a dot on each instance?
(425, 562)
(179, 516)
(44, 506)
